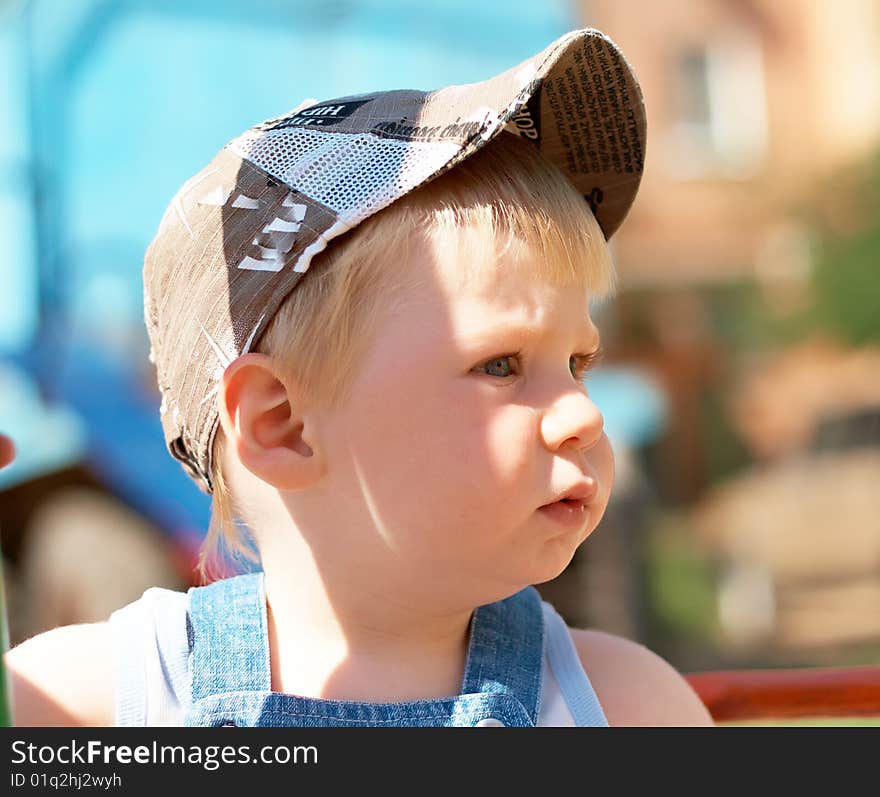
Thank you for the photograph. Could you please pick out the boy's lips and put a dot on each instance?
(568, 512)
(582, 493)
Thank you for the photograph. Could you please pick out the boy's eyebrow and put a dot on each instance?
(528, 331)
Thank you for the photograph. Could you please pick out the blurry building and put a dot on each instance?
(753, 106)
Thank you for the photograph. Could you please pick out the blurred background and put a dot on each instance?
(741, 384)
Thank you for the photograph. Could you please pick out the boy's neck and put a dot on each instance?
(354, 647)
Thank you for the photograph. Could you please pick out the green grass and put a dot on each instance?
(681, 584)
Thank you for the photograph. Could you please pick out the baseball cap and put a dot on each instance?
(240, 234)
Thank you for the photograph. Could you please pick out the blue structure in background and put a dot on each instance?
(106, 107)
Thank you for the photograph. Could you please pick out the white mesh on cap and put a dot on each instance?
(354, 175)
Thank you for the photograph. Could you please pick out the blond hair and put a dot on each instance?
(508, 191)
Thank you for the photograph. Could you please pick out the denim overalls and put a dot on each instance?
(201, 657)
(231, 682)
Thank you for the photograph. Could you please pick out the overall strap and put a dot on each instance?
(230, 643)
(506, 650)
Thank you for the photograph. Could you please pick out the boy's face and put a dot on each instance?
(450, 446)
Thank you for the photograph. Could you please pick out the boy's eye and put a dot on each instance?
(581, 363)
(578, 364)
(500, 365)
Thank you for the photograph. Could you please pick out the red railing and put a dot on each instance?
(809, 692)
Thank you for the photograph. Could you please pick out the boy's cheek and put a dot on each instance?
(601, 459)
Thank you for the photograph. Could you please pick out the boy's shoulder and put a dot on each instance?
(634, 685)
(66, 676)
(63, 677)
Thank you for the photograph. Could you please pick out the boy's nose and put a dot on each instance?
(572, 420)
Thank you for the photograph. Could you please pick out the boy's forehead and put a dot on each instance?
(480, 295)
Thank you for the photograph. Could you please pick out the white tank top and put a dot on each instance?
(152, 682)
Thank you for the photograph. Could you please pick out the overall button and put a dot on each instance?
(490, 722)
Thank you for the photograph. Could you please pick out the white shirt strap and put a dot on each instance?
(569, 672)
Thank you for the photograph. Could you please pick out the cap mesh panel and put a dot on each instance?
(352, 174)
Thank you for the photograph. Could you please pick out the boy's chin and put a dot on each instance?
(548, 565)
(549, 574)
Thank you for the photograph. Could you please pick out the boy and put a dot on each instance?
(399, 423)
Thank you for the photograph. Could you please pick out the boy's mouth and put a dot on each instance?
(568, 501)
(568, 512)
(578, 495)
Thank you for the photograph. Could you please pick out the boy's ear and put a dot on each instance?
(262, 421)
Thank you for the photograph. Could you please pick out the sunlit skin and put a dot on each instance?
(384, 523)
